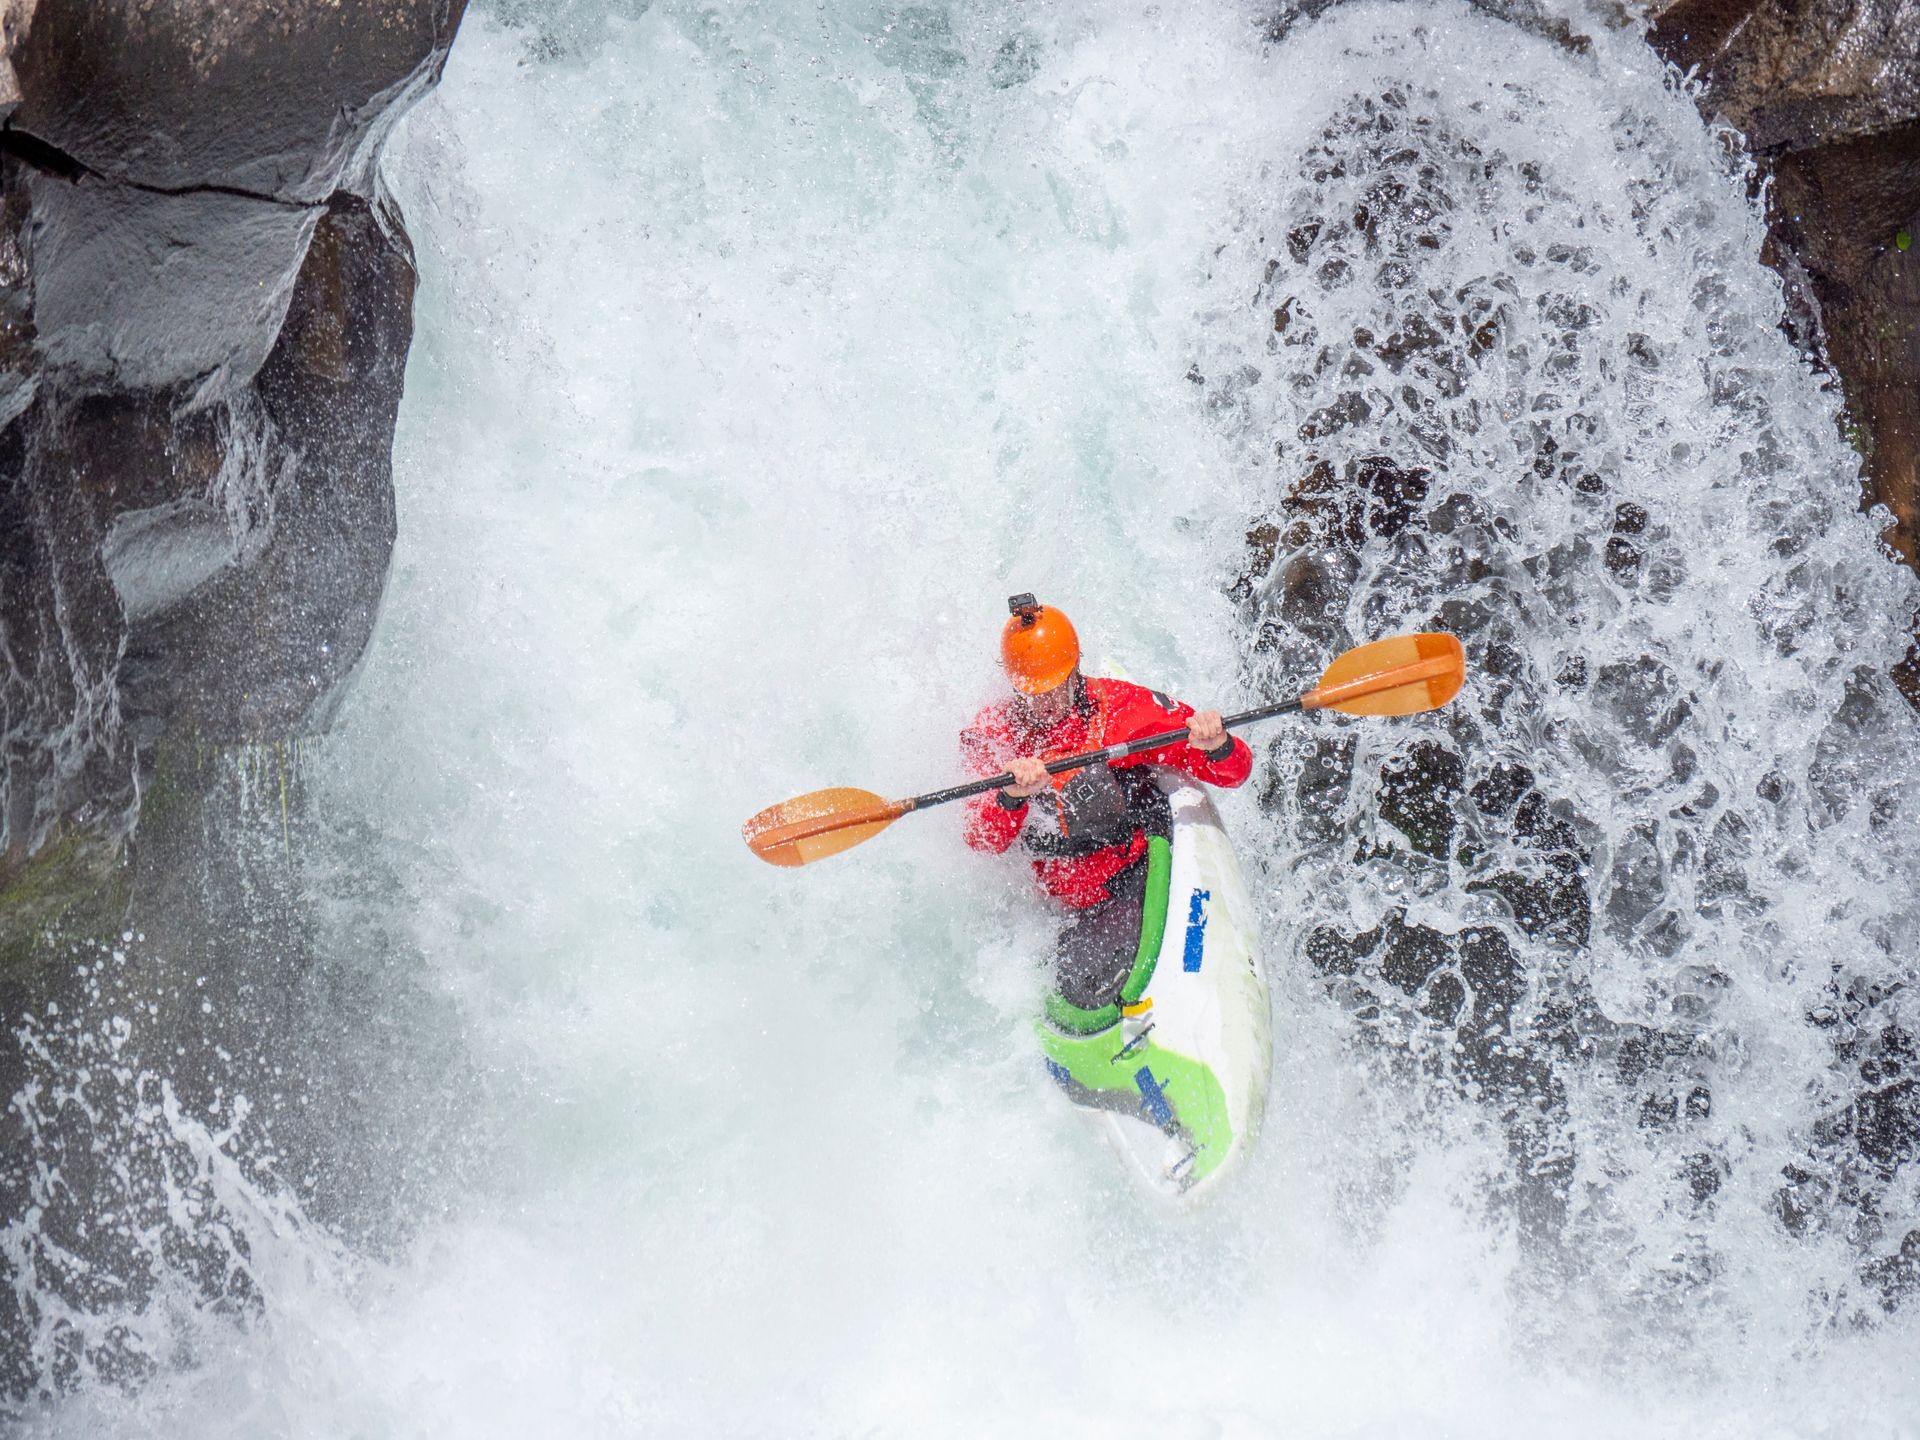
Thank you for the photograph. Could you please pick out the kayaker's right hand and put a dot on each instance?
(1029, 778)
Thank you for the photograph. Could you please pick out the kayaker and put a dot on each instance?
(1087, 835)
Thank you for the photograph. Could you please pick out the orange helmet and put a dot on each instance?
(1038, 646)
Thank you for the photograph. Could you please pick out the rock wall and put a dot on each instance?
(1827, 94)
(205, 309)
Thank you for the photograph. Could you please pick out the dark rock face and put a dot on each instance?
(287, 101)
(213, 570)
(119, 301)
(205, 308)
(1799, 74)
(1839, 211)
(1827, 92)
(205, 311)
(258, 650)
(196, 145)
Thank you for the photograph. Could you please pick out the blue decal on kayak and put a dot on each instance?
(1196, 931)
(1153, 1097)
(1058, 1071)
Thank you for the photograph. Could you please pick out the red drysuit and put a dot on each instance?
(1087, 828)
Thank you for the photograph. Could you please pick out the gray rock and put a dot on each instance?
(262, 650)
(176, 157)
(141, 291)
(285, 100)
(214, 570)
(1799, 74)
(205, 311)
(205, 308)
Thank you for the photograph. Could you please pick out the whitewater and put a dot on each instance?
(762, 350)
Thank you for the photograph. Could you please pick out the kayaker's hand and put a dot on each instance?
(1029, 777)
(1205, 732)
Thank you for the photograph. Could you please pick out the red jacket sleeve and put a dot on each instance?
(990, 825)
(1228, 773)
(1151, 712)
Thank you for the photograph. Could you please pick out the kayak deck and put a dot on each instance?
(1179, 1080)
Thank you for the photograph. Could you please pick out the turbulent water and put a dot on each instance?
(763, 349)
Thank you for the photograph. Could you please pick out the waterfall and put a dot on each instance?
(761, 350)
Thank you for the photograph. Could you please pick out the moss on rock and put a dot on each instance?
(74, 887)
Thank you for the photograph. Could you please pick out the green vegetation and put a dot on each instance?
(74, 887)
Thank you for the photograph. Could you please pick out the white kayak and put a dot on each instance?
(1177, 1072)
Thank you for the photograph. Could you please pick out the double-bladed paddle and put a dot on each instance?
(1401, 675)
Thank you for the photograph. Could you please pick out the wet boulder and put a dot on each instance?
(206, 303)
(205, 310)
(178, 156)
(260, 594)
(1801, 74)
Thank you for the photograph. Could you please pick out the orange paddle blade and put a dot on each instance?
(1399, 676)
(813, 826)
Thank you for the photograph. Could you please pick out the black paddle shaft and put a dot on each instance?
(1094, 757)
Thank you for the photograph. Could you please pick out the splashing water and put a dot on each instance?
(762, 349)
(1526, 388)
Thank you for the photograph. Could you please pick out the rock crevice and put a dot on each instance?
(50, 159)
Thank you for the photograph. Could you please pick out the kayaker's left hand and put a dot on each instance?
(1205, 732)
